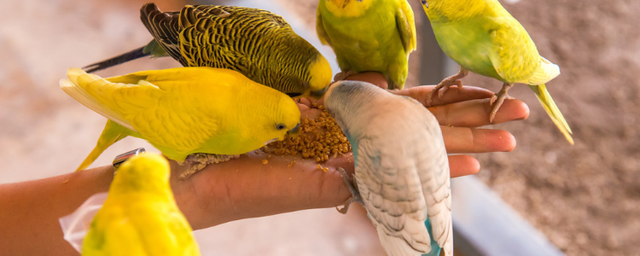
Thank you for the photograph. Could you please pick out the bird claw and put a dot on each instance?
(355, 195)
(199, 161)
(497, 100)
(443, 86)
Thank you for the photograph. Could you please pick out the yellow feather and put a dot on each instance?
(182, 111)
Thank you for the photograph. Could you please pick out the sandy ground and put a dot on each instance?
(585, 198)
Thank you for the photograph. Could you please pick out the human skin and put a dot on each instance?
(246, 187)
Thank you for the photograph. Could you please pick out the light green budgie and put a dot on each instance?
(484, 38)
(140, 216)
(182, 111)
(369, 35)
(257, 43)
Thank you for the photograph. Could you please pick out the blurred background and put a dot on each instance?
(584, 198)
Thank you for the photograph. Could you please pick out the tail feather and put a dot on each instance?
(76, 86)
(435, 248)
(122, 58)
(552, 110)
(112, 133)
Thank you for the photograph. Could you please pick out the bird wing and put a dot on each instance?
(406, 26)
(165, 28)
(322, 33)
(167, 107)
(225, 36)
(390, 188)
(432, 166)
(514, 55)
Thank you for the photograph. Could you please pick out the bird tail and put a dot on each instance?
(554, 113)
(435, 248)
(112, 133)
(397, 245)
(122, 58)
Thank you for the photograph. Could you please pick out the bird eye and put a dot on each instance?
(280, 126)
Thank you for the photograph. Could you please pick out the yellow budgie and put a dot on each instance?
(257, 43)
(140, 216)
(369, 35)
(182, 111)
(484, 38)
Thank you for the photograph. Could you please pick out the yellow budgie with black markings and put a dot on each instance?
(369, 35)
(183, 111)
(254, 42)
(484, 38)
(140, 216)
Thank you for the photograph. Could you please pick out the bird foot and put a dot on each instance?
(199, 161)
(353, 188)
(497, 100)
(443, 86)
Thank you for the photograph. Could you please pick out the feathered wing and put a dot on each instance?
(225, 36)
(433, 169)
(322, 33)
(74, 87)
(165, 28)
(406, 26)
(392, 196)
(155, 104)
(516, 60)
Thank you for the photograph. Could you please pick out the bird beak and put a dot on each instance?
(294, 132)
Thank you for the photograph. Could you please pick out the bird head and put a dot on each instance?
(146, 172)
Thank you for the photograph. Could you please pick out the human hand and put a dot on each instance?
(246, 187)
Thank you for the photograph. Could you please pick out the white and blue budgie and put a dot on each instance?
(401, 167)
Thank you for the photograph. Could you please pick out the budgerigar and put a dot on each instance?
(401, 167)
(140, 216)
(369, 35)
(254, 42)
(484, 38)
(182, 111)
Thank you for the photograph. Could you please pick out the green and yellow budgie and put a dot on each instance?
(140, 216)
(369, 35)
(484, 38)
(254, 42)
(182, 111)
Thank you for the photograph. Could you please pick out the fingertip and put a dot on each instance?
(461, 165)
(512, 109)
(488, 140)
(506, 142)
(523, 110)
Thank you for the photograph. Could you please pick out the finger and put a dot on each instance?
(475, 113)
(461, 165)
(249, 187)
(453, 95)
(469, 140)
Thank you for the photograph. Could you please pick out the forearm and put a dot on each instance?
(29, 211)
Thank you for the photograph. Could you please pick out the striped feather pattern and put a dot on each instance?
(254, 42)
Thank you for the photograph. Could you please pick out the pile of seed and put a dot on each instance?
(317, 139)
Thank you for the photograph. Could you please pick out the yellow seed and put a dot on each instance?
(265, 161)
